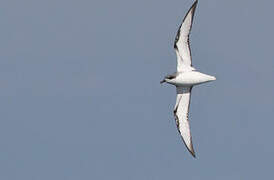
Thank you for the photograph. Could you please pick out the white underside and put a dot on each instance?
(190, 78)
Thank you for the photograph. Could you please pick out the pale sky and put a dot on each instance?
(80, 96)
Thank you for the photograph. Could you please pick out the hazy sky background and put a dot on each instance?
(80, 96)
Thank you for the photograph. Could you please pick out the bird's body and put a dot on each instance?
(189, 78)
(185, 78)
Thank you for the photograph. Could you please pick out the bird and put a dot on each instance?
(185, 78)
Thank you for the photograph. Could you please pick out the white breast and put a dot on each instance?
(191, 78)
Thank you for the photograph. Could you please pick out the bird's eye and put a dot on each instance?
(170, 77)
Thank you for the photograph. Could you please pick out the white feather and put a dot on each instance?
(181, 111)
(182, 46)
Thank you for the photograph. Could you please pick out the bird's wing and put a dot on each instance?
(181, 44)
(181, 110)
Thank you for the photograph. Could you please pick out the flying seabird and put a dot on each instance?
(185, 78)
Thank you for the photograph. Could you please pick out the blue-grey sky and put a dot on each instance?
(80, 96)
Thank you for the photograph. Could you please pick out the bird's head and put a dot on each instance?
(168, 78)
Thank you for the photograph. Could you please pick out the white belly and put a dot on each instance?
(190, 78)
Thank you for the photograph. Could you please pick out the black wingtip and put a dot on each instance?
(194, 5)
(191, 149)
(192, 152)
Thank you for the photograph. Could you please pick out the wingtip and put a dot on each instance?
(192, 152)
(195, 3)
(190, 148)
(193, 7)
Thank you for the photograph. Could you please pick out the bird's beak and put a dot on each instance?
(162, 81)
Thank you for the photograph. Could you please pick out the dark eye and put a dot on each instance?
(170, 77)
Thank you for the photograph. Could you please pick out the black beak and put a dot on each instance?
(162, 81)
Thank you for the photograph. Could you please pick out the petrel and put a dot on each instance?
(185, 78)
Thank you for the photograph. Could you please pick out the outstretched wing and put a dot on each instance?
(181, 110)
(181, 44)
